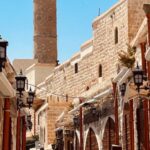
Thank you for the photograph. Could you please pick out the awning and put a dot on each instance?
(96, 98)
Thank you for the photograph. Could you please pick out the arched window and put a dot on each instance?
(76, 67)
(91, 141)
(100, 71)
(116, 35)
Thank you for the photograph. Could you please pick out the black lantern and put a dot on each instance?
(138, 76)
(3, 46)
(20, 82)
(123, 89)
(93, 110)
(30, 98)
(75, 121)
(53, 146)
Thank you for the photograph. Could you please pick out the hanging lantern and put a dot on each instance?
(75, 121)
(138, 76)
(123, 89)
(93, 109)
(53, 146)
(20, 82)
(30, 98)
(3, 46)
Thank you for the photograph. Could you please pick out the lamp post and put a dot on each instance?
(138, 76)
(93, 110)
(20, 83)
(81, 126)
(138, 81)
(29, 122)
(3, 46)
(123, 89)
(30, 98)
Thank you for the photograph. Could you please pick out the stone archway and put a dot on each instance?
(91, 141)
(109, 134)
(77, 147)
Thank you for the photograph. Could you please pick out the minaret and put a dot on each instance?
(45, 31)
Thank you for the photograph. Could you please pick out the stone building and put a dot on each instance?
(90, 77)
(12, 125)
(92, 73)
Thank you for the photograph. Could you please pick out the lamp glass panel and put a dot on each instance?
(138, 79)
(30, 99)
(2, 52)
(20, 84)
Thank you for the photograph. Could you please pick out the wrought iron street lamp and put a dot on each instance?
(53, 146)
(123, 89)
(3, 46)
(93, 109)
(20, 82)
(30, 98)
(76, 121)
(139, 77)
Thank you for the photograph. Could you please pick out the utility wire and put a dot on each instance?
(60, 95)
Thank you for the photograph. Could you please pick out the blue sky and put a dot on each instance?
(74, 18)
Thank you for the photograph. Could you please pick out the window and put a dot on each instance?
(100, 70)
(66, 97)
(116, 35)
(38, 119)
(76, 67)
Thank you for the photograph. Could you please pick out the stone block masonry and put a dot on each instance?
(122, 21)
(45, 38)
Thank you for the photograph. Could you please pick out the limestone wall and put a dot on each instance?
(135, 16)
(81, 72)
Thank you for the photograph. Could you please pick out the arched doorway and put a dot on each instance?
(126, 127)
(76, 142)
(109, 134)
(91, 142)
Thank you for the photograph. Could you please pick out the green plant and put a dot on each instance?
(127, 59)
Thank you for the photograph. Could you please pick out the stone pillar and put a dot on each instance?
(131, 126)
(116, 114)
(45, 31)
(18, 131)
(23, 133)
(6, 126)
(146, 125)
(34, 123)
(143, 50)
(81, 126)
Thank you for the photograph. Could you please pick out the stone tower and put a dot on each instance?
(45, 31)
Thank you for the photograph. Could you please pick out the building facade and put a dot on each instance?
(93, 73)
